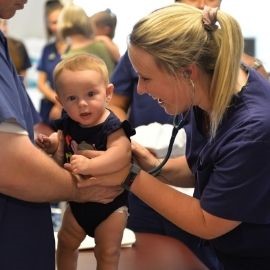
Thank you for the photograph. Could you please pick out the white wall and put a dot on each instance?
(253, 17)
(29, 22)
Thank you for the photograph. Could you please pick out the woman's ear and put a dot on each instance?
(189, 72)
(186, 74)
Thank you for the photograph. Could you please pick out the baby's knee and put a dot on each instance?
(63, 238)
(67, 241)
(108, 253)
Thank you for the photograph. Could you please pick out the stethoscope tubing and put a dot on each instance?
(177, 125)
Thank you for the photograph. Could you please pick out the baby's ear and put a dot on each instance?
(109, 91)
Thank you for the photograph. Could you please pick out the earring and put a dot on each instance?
(193, 90)
(192, 84)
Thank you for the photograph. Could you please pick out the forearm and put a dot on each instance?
(117, 155)
(48, 93)
(182, 210)
(176, 172)
(29, 174)
(45, 89)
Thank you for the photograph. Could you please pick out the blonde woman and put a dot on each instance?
(189, 60)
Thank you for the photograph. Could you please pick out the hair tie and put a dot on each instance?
(209, 18)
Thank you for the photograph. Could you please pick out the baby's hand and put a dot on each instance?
(44, 142)
(79, 164)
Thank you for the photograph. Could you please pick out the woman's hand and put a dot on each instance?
(95, 192)
(145, 158)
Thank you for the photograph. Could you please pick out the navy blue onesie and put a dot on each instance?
(89, 215)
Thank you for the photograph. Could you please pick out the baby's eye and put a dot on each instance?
(91, 93)
(71, 98)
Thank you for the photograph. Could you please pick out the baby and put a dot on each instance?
(83, 88)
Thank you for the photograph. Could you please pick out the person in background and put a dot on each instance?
(226, 104)
(17, 50)
(50, 56)
(73, 27)
(255, 63)
(104, 25)
(83, 89)
(29, 179)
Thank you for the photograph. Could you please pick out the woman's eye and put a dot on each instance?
(144, 78)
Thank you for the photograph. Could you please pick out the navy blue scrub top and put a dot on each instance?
(232, 174)
(26, 231)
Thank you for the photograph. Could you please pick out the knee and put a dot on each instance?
(65, 240)
(108, 253)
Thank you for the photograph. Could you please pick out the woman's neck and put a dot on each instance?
(242, 79)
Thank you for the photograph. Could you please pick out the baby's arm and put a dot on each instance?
(117, 156)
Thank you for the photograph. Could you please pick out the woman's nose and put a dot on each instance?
(201, 4)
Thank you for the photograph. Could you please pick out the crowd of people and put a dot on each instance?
(93, 98)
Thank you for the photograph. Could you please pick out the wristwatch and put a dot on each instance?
(257, 63)
(134, 171)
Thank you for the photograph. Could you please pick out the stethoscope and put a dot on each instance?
(178, 123)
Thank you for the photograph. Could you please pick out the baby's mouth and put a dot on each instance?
(85, 114)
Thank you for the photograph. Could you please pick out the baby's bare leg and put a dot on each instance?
(70, 237)
(108, 237)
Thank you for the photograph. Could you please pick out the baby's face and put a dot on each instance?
(83, 95)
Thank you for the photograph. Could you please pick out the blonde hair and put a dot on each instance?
(74, 20)
(80, 62)
(175, 36)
